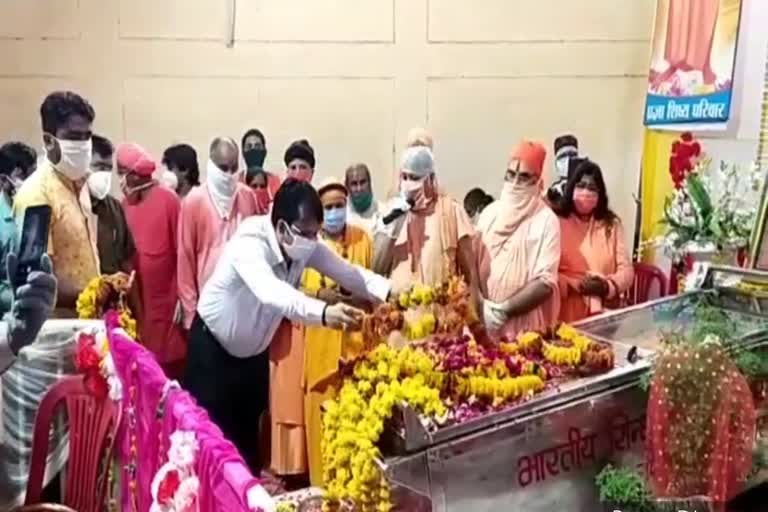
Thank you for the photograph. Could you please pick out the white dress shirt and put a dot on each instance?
(253, 288)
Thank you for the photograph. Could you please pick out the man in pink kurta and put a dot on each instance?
(152, 212)
(518, 250)
(209, 217)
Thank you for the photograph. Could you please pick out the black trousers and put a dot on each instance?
(234, 390)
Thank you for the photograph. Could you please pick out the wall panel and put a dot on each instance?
(316, 21)
(540, 20)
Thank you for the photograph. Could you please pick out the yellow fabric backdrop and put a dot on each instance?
(656, 184)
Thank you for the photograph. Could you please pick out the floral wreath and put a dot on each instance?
(108, 293)
(94, 360)
(175, 487)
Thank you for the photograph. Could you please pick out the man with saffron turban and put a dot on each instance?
(152, 211)
(517, 249)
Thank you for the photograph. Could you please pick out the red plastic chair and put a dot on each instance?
(92, 425)
(645, 276)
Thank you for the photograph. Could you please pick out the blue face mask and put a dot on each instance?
(335, 220)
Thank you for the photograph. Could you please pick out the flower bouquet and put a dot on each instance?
(94, 360)
(108, 293)
(175, 488)
(421, 312)
(710, 214)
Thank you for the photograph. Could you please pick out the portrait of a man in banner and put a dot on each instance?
(693, 54)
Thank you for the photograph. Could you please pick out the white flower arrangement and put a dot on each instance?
(175, 487)
(713, 211)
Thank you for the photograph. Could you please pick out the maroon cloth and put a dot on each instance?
(153, 221)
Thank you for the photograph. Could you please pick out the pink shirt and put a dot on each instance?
(202, 236)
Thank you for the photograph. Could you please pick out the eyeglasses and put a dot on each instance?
(520, 177)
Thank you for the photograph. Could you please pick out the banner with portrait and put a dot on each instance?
(690, 80)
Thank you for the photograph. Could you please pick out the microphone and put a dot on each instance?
(397, 213)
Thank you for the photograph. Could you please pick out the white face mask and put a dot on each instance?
(300, 248)
(222, 187)
(561, 164)
(170, 179)
(75, 158)
(99, 184)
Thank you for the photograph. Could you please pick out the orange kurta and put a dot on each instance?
(427, 246)
(510, 257)
(591, 247)
(303, 362)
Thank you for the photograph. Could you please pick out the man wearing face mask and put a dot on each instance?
(566, 149)
(307, 370)
(363, 207)
(209, 217)
(518, 250)
(432, 239)
(252, 290)
(254, 153)
(8, 231)
(114, 239)
(152, 212)
(181, 161)
(300, 161)
(24, 160)
(59, 182)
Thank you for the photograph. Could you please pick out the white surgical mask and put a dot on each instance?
(561, 164)
(170, 179)
(300, 248)
(221, 186)
(99, 184)
(75, 158)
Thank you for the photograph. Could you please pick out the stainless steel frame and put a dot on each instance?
(525, 457)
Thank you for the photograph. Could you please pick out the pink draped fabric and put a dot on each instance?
(224, 478)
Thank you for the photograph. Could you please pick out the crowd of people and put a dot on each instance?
(250, 283)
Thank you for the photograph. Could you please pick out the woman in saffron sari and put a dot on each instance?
(595, 268)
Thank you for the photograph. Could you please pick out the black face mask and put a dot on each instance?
(254, 157)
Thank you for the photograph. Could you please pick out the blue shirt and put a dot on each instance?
(8, 242)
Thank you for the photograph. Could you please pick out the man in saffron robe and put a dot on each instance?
(209, 217)
(432, 240)
(518, 250)
(152, 211)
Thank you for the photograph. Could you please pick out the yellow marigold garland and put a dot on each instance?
(353, 423)
(88, 308)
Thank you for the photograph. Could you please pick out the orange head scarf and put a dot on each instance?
(531, 156)
(516, 202)
(136, 159)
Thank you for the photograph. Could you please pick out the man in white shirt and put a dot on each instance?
(253, 287)
(363, 209)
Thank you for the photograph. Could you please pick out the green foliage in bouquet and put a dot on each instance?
(624, 487)
(711, 209)
(752, 364)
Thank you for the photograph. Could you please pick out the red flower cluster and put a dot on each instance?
(682, 161)
(168, 487)
(87, 361)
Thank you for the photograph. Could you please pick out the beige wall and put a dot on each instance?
(352, 76)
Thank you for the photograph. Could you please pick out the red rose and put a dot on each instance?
(168, 487)
(96, 384)
(86, 356)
